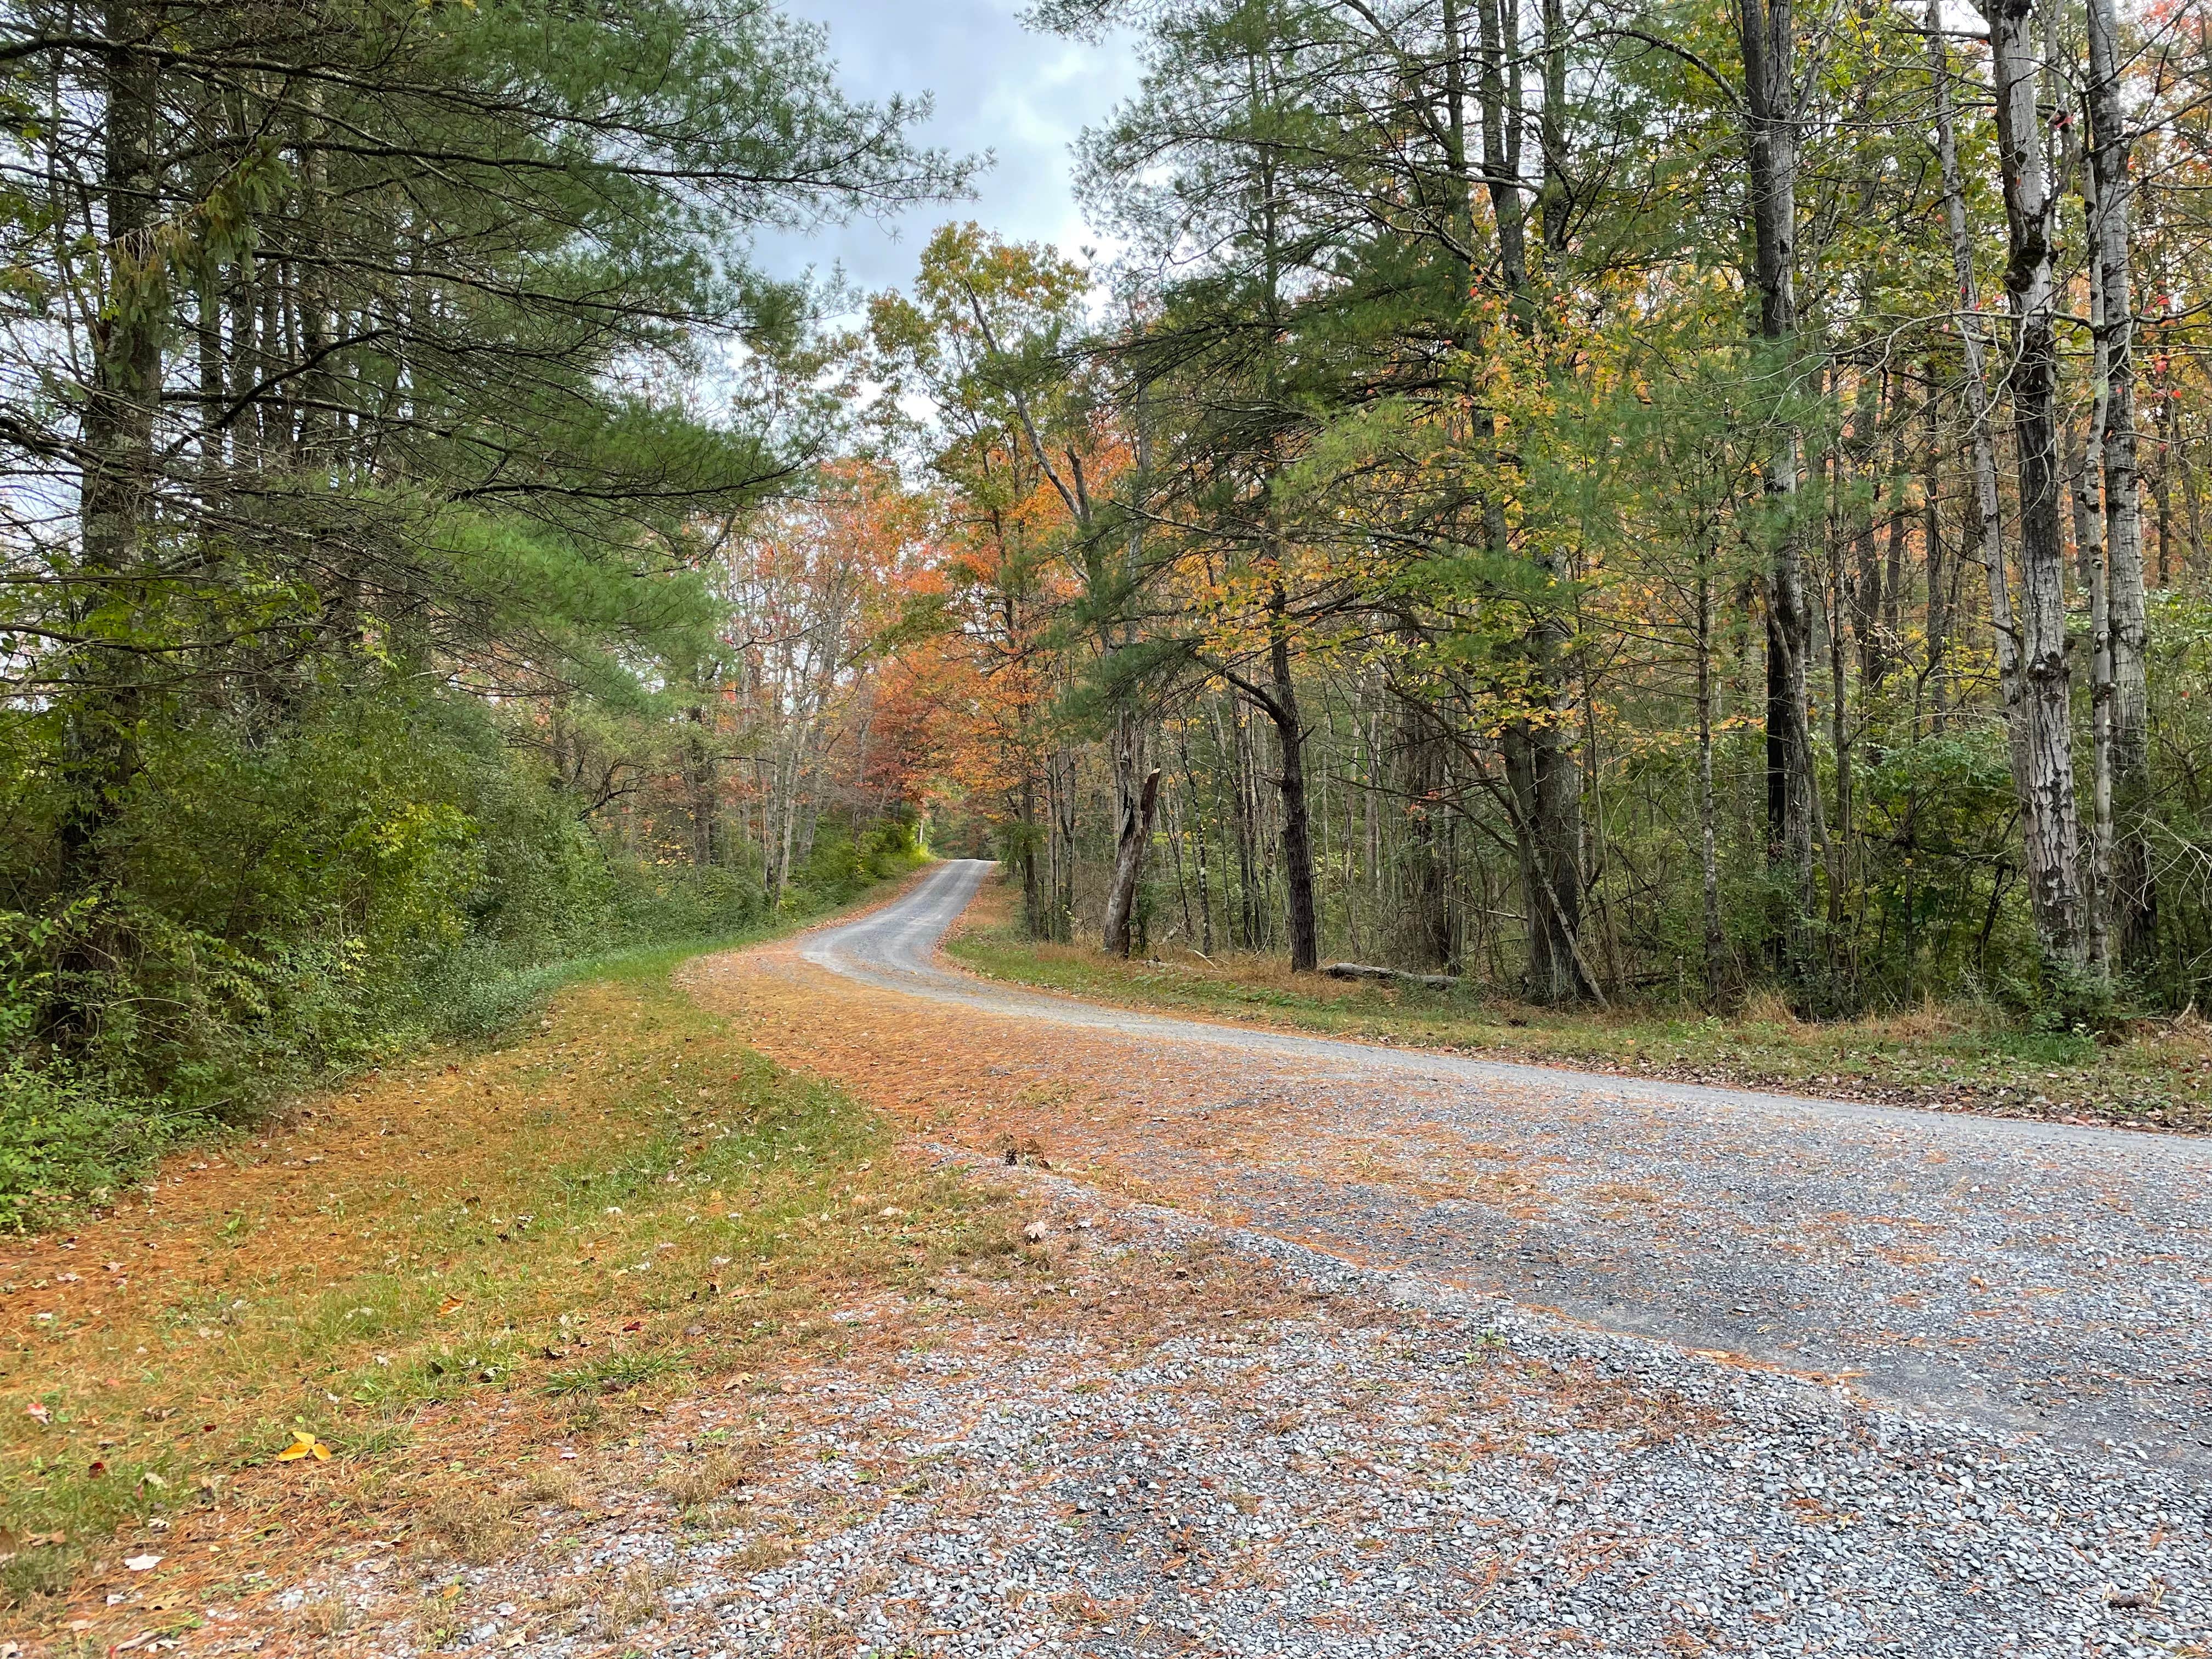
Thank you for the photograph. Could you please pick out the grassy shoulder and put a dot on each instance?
(1946, 1057)
(430, 1283)
(71, 1138)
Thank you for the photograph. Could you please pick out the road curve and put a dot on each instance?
(2034, 1276)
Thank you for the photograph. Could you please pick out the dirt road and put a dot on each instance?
(1316, 1351)
(2031, 1275)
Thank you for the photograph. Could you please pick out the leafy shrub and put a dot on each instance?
(842, 864)
(276, 907)
(63, 1134)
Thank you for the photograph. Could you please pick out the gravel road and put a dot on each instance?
(1427, 1356)
(1158, 1439)
(2030, 1276)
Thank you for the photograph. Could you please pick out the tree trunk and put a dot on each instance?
(1893, 584)
(1708, 848)
(1839, 740)
(1300, 911)
(115, 497)
(1942, 576)
(1768, 28)
(2191, 506)
(2050, 819)
(1427, 926)
(1060, 782)
(2161, 487)
(2089, 555)
(1033, 917)
(2132, 905)
(703, 785)
(1198, 816)
(1136, 792)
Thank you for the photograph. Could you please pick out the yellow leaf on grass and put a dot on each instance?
(304, 1445)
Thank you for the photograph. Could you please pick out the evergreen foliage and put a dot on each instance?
(360, 515)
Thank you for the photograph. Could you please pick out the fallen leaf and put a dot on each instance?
(38, 1414)
(448, 1305)
(142, 1563)
(304, 1445)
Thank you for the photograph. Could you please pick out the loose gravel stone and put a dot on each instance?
(1392, 1469)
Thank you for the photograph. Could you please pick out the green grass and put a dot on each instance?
(1963, 1056)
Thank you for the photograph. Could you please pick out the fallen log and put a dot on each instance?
(1391, 975)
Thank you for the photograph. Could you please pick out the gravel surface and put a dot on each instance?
(1230, 1445)
(2034, 1275)
(1430, 1357)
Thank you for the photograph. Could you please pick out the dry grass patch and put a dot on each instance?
(635, 1601)
(470, 1526)
(694, 1481)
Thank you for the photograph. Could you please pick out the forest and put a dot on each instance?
(1609, 508)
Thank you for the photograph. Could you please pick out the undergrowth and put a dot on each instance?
(73, 1133)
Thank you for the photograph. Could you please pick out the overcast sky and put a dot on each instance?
(999, 87)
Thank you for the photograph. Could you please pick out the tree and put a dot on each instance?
(353, 347)
(994, 334)
(2131, 901)
(2049, 814)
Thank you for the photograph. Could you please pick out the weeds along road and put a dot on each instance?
(2027, 1276)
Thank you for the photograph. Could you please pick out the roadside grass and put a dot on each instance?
(439, 1274)
(1960, 1057)
(72, 1138)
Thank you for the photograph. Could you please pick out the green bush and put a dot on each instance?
(275, 906)
(842, 865)
(64, 1135)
